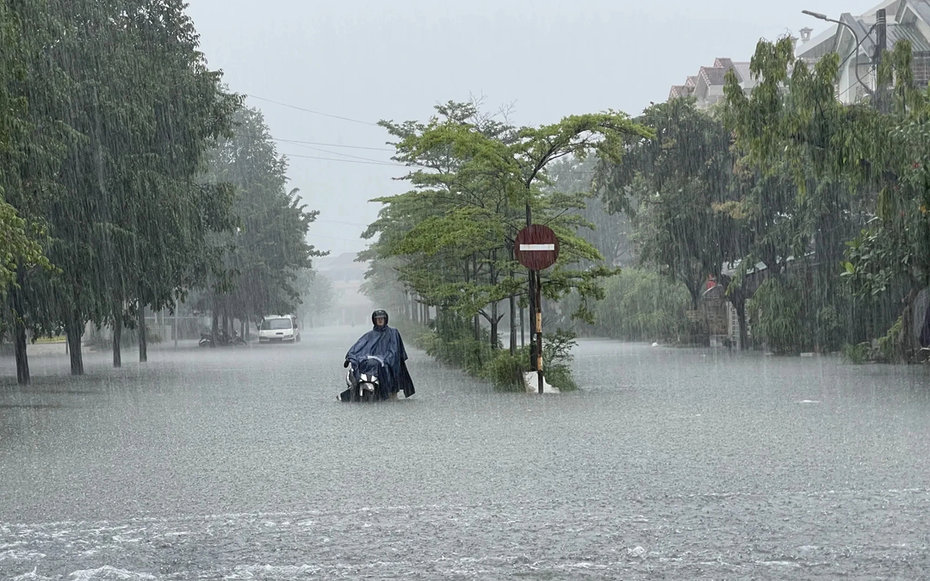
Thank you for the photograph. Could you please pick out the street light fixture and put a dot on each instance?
(816, 15)
(824, 17)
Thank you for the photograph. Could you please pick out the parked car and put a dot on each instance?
(278, 329)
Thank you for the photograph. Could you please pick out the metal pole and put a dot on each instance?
(880, 45)
(539, 337)
(532, 290)
(175, 323)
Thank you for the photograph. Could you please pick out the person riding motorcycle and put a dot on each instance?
(383, 348)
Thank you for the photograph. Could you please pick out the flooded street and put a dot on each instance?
(238, 463)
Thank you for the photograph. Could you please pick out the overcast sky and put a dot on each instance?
(367, 60)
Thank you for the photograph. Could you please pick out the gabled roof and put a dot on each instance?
(909, 32)
(900, 25)
(679, 91)
(744, 75)
(713, 75)
(923, 10)
(708, 83)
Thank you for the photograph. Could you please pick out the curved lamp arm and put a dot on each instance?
(824, 17)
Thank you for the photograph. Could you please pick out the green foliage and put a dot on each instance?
(106, 112)
(451, 341)
(872, 154)
(857, 354)
(17, 247)
(262, 257)
(474, 180)
(671, 187)
(317, 295)
(507, 369)
(642, 305)
(891, 346)
(775, 310)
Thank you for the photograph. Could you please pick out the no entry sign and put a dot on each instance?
(536, 247)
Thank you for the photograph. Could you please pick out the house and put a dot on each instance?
(858, 39)
(707, 85)
(720, 315)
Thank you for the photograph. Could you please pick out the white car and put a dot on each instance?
(278, 329)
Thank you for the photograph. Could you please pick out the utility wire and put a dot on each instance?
(359, 239)
(332, 144)
(311, 110)
(340, 222)
(384, 163)
(338, 153)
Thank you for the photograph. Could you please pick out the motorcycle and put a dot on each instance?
(362, 381)
(222, 339)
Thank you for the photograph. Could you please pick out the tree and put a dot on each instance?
(120, 111)
(317, 296)
(476, 181)
(264, 254)
(792, 127)
(610, 234)
(32, 145)
(675, 188)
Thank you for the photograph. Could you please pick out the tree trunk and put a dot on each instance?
(474, 277)
(908, 340)
(117, 337)
(739, 303)
(494, 321)
(695, 292)
(19, 336)
(522, 327)
(513, 320)
(214, 325)
(74, 330)
(143, 345)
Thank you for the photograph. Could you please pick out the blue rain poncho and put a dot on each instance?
(384, 345)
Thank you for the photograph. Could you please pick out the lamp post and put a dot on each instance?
(824, 17)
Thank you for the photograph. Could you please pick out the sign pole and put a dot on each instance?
(532, 300)
(539, 336)
(536, 247)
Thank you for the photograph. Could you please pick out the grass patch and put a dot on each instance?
(857, 354)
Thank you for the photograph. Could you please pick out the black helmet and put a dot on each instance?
(379, 313)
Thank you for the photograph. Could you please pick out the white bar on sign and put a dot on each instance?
(536, 247)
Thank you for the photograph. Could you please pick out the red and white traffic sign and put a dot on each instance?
(536, 247)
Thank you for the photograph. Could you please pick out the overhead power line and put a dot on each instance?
(359, 239)
(385, 163)
(333, 144)
(340, 153)
(304, 109)
(340, 222)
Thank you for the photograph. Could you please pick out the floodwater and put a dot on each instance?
(238, 463)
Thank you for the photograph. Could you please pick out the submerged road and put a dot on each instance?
(668, 464)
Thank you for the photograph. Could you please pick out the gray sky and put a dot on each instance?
(377, 59)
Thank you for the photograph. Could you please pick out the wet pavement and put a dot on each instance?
(238, 463)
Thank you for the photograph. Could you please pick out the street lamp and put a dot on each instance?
(824, 17)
